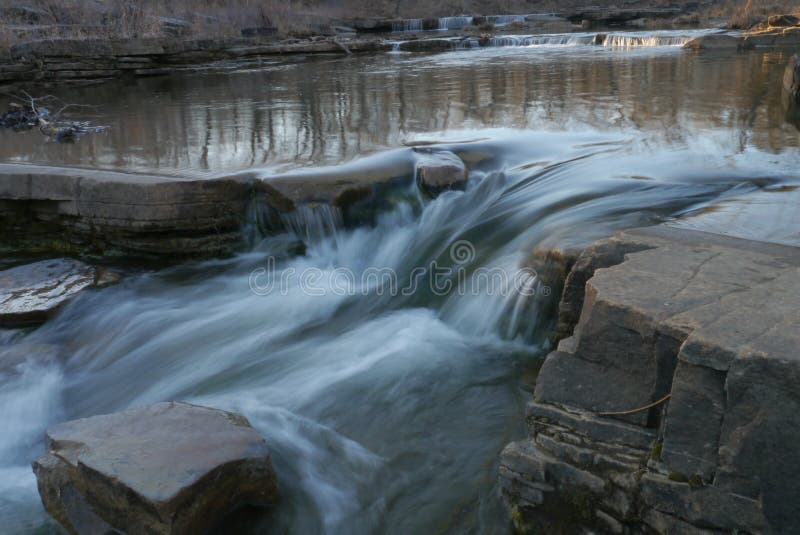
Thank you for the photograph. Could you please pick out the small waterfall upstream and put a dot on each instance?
(454, 23)
(610, 40)
(314, 222)
(541, 40)
(503, 20)
(407, 25)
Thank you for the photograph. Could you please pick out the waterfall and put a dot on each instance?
(502, 20)
(631, 41)
(466, 44)
(407, 25)
(542, 40)
(611, 40)
(314, 222)
(454, 23)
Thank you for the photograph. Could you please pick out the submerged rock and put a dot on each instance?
(31, 293)
(440, 171)
(169, 468)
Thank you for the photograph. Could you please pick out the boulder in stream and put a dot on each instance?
(169, 468)
(440, 171)
(31, 293)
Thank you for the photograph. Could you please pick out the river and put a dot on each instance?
(385, 410)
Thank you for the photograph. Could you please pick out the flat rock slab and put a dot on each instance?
(168, 468)
(31, 293)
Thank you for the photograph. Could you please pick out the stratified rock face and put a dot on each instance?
(440, 171)
(31, 293)
(169, 468)
(713, 323)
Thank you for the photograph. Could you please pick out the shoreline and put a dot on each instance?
(73, 61)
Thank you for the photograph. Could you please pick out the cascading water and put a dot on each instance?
(503, 20)
(611, 40)
(367, 373)
(454, 23)
(313, 222)
(541, 40)
(381, 388)
(407, 25)
(466, 44)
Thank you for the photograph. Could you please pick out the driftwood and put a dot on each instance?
(27, 112)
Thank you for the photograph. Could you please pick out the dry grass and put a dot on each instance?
(143, 18)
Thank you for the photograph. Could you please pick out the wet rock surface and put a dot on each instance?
(673, 406)
(440, 171)
(30, 294)
(168, 468)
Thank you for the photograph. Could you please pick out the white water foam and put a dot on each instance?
(407, 25)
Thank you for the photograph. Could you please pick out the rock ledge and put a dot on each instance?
(704, 330)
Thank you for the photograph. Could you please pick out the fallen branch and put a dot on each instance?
(640, 409)
(30, 112)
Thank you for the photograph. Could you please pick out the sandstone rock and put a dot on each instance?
(773, 37)
(169, 468)
(783, 20)
(31, 293)
(715, 42)
(440, 171)
(110, 213)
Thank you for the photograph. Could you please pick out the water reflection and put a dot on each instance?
(329, 109)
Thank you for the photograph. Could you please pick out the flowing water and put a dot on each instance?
(386, 399)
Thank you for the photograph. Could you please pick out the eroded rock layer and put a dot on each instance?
(673, 407)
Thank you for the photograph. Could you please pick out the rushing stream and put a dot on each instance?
(385, 409)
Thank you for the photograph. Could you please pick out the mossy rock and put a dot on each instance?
(655, 453)
(678, 477)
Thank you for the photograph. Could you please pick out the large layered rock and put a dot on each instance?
(170, 468)
(673, 407)
(31, 293)
(112, 213)
(118, 213)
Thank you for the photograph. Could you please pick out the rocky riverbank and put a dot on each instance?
(49, 61)
(71, 60)
(672, 407)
